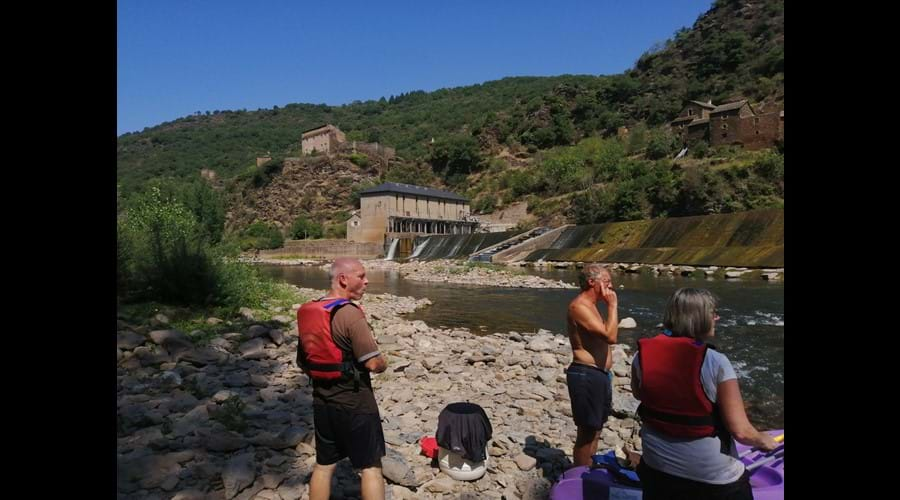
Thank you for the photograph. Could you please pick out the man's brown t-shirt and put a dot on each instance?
(352, 333)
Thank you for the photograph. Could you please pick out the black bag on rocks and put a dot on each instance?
(464, 428)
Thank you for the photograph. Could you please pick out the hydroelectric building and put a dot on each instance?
(395, 214)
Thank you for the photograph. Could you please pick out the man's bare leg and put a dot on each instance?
(585, 446)
(371, 483)
(320, 482)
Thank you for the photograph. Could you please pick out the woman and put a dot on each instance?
(691, 408)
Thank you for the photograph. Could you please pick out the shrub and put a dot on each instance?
(520, 182)
(405, 173)
(660, 144)
(770, 167)
(360, 160)
(163, 254)
(699, 149)
(637, 139)
(456, 155)
(303, 229)
(336, 231)
(484, 204)
(261, 236)
(241, 285)
(263, 175)
(593, 206)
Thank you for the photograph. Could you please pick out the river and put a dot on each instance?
(750, 331)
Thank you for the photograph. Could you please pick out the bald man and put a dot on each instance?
(337, 350)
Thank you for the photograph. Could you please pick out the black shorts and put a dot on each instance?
(591, 393)
(658, 485)
(341, 433)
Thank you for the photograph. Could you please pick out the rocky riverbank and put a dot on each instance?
(253, 259)
(459, 271)
(466, 273)
(231, 416)
(710, 272)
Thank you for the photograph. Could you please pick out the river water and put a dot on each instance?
(750, 331)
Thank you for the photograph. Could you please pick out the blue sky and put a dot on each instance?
(178, 57)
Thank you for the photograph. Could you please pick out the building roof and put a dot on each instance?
(731, 105)
(699, 121)
(708, 105)
(394, 187)
(316, 130)
(683, 119)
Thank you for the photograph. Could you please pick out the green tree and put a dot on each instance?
(261, 236)
(522, 182)
(722, 53)
(630, 202)
(609, 121)
(656, 108)
(161, 252)
(772, 62)
(124, 275)
(586, 109)
(303, 229)
(164, 255)
(770, 167)
(660, 144)
(543, 137)
(336, 231)
(620, 88)
(566, 170)
(409, 173)
(207, 206)
(699, 149)
(593, 206)
(457, 154)
(610, 160)
(692, 197)
(637, 138)
(262, 175)
(662, 191)
(484, 204)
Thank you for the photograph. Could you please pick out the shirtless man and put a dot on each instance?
(590, 387)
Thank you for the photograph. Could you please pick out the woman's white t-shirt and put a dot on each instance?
(699, 459)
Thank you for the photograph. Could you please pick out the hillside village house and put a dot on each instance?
(329, 139)
(324, 139)
(726, 124)
(392, 210)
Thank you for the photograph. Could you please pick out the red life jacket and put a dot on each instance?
(317, 351)
(672, 396)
